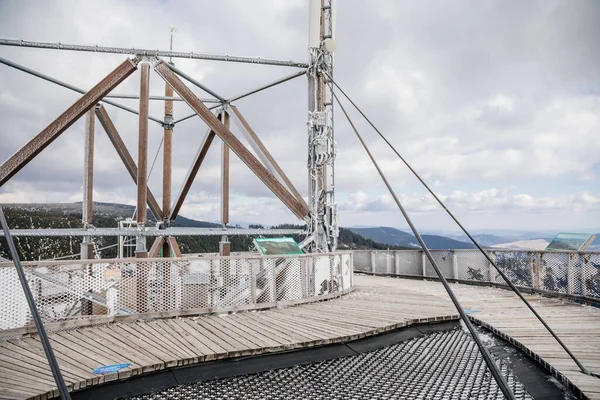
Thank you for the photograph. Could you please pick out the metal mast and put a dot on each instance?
(322, 219)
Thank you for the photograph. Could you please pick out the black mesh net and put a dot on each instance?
(444, 365)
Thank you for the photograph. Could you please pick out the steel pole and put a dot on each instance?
(151, 53)
(54, 367)
(496, 373)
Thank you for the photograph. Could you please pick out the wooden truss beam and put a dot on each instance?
(264, 154)
(142, 167)
(35, 146)
(193, 171)
(299, 209)
(119, 145)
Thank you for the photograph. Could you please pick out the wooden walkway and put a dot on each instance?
(378, 304)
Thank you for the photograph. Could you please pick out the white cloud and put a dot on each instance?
(472, 95)
(493, 200)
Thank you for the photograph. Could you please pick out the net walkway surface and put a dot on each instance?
(443, 365)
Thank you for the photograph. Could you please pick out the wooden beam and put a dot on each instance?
(267, 155)
(22, 157)
(124, 154)
(174, 247)
(155, 249)
(88, 167)
(193, 171)
(167, 154)
(225, 176)
(300, 210)
(142, 172)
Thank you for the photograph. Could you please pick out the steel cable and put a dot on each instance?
(495, 371)
(485, 254)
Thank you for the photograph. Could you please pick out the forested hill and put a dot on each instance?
(107, 215)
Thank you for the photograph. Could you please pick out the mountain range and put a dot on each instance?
(509, 239)
(68, 215)
(107, 215)
(395, 237)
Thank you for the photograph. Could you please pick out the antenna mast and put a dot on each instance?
(322, 219)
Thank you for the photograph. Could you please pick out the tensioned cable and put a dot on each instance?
(150, 172)
(494, 369)
(254, 91)
(492, 262)
(58, 378)
(69, 86)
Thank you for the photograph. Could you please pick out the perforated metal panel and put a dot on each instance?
(87, 289)
(552, 271)
(445, 365)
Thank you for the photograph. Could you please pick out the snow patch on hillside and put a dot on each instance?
(534, 244)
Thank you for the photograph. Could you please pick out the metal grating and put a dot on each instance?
(443, 365)
(91, 288)
(573, 273)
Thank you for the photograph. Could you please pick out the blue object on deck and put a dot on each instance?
(107, 369)
(471, 311)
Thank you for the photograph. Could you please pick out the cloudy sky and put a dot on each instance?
(496, 104)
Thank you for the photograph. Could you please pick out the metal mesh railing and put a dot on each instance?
(569, 273)
(70, 290)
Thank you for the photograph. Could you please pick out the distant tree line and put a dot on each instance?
(32, 248)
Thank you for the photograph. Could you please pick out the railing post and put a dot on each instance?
(584, 275)
(454, 264)
(389, 262)
(340, 259)
(424, 263)
(112, 300)
(252, 285)
(331, 274)
(534, 269)
(570, 275)
(397, 262)
(303, 277)
(492, 270)
(274, 285)
(372, 255)
(351, 269)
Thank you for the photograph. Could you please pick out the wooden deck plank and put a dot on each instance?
(209, 349)
(378, 304)
(256, 322)
(217, 330)
(196, 346)
(154, 336)
(125, 351)
(149, 343)
(241, 331)
(26, 379)
(330, 329)
(133, 343)
(309, 333)
(38, 365)
(297, 332)
(80, 345)
(35, 353)
(172, 334)
(210, 335)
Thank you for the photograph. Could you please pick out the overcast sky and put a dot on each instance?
(495, 103)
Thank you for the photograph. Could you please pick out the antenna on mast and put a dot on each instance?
(173, 30)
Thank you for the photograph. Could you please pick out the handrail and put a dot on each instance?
(162, 287)
(565, 273)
